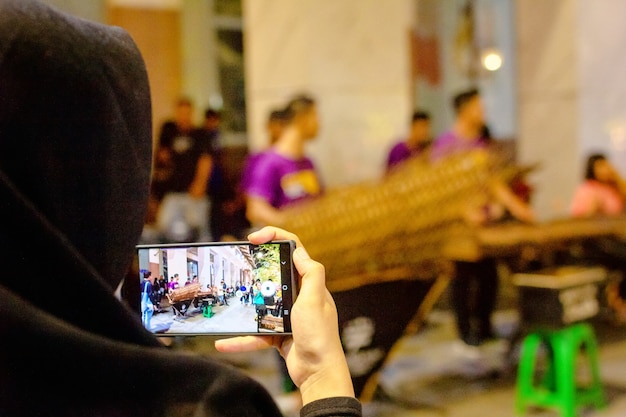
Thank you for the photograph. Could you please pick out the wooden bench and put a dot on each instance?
(272, 323)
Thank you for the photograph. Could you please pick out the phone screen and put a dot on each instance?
(220, 288)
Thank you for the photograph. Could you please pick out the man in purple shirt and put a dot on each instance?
(467, 132)
(417, 142)
(280, 180)
(283, 174)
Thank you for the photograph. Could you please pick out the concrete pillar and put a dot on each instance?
(572, 95)
(200, 75)
(352, 56)
(602, 90)
(548, 100)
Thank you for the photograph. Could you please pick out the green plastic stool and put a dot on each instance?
(558, 389)
(207, 311)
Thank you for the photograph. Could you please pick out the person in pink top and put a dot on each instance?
(602, 192)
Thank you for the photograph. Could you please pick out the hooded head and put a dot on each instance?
(75, 154)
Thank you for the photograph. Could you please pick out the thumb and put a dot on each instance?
(312, 272)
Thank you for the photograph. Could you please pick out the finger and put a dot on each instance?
(312, 272)
(244, 343)
(272, 233)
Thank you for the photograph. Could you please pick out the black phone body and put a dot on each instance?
(217, 288)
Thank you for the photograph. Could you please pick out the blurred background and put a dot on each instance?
(550, 75)
(549, 71)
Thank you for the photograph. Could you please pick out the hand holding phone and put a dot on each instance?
(314, 354)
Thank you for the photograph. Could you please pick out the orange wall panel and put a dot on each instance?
(157, 34)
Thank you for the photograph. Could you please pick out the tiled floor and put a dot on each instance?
(429, 374)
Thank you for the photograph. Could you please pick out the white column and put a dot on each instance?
(548, 100)
(352, 56)
(572, 95)
(602, 107)
(200, 75)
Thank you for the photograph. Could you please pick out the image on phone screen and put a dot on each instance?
(220, 288)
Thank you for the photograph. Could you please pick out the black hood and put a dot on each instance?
(75, 163)
(75, 157)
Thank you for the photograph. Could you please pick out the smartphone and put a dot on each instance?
(217, 288)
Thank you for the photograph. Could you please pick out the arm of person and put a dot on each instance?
(260, 211)
(505, 196)
(314, 354)
(198, 186)
(584, 202)
(619, 181)
(621, 186)
(163, 155)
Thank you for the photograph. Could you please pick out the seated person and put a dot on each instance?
(416, 143)
(75, 162)
(602, 193)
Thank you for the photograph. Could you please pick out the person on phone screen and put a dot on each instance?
(258, 300)
(147, 295)
(75, 164)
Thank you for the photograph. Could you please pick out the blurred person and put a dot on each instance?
(161, 288)
(416, 143)
(475, 286)
(227, 210)
(276, 122)
(181, 124)
(468, 133)
(174, 283)
(184, 156)
(467, 130)
(251, 292)
(283, 174)
(275, 125)
(243, 294)
(147, 303)
(220, 295)
(71, 84)
(258, 300)
(221, 292)
(211, 124)
(602, 193)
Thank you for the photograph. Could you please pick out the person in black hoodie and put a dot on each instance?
(75, 161)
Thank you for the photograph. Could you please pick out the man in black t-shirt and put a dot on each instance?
(183, 168)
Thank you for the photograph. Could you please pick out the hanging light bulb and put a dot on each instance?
(491, 59)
